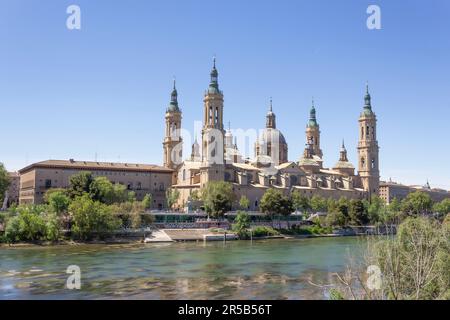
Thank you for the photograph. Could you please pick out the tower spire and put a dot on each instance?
(367, 101)
(312, 115)
(173, 106)
(214, 83)
(271, 118)
(343, 153)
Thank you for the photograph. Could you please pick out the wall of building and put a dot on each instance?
(37, 181)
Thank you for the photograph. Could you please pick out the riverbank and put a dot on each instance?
(187, 237)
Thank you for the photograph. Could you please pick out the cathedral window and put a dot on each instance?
(363, 162)
(210, 114)
(362, 132)
(373, 163)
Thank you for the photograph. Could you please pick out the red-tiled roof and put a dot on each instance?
(92, 165)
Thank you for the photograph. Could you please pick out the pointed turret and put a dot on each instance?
(214, 83)
(343, 153)
(367, 102)
(312, 116)
(271, 118)
(173, 106)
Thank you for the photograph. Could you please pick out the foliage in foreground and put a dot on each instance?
(414, 265)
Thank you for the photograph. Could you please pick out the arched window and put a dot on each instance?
(184, 174)
(373, 163)
(363, 162)
(362, 132)
(210, 115)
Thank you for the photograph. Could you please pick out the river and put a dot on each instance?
(265, 269)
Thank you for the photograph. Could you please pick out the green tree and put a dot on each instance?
(147, 201)
(357, 213)
(58, 201)
(343, 205)
(394, 210)
(131, 196)
(318, 204)
(80, 184)
(172, 196)
(52, 227)
(242, 224)
(376, 209)
(273, 202)
(244, 203)
(120, 193)
(91, 218)
(300, 201)
(49, 192)
(417, 203)
(443, 207)
(4, 182)
(101, 189)
(335, 218)
(218, 197)
(27, 225)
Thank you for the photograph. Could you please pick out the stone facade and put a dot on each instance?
(39, 177)
(391, 190)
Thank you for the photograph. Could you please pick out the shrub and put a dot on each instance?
(263, 231)
(241, 225)
(91, 217)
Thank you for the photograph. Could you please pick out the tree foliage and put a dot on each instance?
(417, 203)
(91, 217)
(357, 213)
(80, 184)
(242, 224)
(58, 201)
(300, 201)
(172, 196)
(443, 207)
(218, 197)
(147, 201)
(244, 203)
(273, 202)
(4, 182)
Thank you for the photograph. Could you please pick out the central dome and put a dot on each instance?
(270, 140)
(272, 135)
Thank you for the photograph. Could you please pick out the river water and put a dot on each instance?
(265, 269)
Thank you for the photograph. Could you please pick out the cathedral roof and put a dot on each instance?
(270, 134)
(308, 162)
(344, 165)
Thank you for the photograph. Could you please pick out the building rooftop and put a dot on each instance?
(92, 165)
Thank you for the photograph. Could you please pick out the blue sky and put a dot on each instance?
(104, 89)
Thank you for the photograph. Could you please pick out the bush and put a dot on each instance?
(28, 225)
(263, 231)
(92, 218)
(241, 225)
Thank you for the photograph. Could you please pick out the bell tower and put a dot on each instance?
(368, 166)
(313, 132)
(173, 143)
(213, 133)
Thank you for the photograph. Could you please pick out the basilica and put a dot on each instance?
(217, 158)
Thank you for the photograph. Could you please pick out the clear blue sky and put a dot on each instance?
(104, 89)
